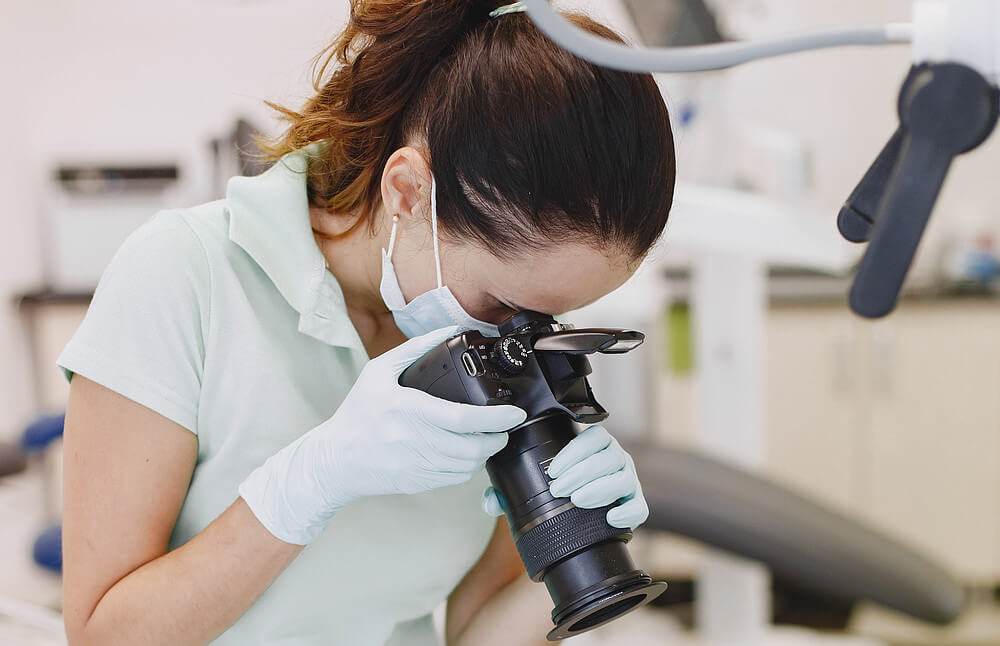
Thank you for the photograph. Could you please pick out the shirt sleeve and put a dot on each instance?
(144, 333)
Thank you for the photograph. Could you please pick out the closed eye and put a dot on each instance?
(505, 305)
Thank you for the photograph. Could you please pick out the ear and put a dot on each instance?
(406, 185)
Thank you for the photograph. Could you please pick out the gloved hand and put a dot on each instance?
(383, 439)
(593, 470)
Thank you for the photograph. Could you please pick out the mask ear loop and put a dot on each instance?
(434, 227)
(392, 235)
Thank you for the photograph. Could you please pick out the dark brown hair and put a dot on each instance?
(530, 145)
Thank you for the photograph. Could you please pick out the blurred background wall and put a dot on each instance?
(119, 82)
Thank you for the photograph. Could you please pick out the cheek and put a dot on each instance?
(414, 278)
(481, 307)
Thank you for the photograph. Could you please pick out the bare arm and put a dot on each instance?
(496, 603)
(126, 472)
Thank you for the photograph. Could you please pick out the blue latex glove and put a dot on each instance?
(593, 470)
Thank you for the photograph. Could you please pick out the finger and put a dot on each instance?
(602, 463)
(437, 477)
(592, 440)
(445, 465)
(493, 502)
(466, 446)
(409, 351)
(606, 490)
(466, 418)
(631, 513)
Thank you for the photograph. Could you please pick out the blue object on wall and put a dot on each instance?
(38, 435)
(981, 265)
(48, 549)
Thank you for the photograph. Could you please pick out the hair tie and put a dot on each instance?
(506, 9)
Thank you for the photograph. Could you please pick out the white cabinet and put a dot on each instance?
(934, 433)
(895, 421)
(812, 425)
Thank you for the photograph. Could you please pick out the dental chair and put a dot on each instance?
(801, 541)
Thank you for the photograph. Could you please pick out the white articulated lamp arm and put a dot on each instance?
(958, 31)
(948, 105)
(702, 57)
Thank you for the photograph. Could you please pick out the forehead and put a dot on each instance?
(554, 280)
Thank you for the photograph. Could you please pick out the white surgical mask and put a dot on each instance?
(431, 310)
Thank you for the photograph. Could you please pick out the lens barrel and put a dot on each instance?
(582, 560)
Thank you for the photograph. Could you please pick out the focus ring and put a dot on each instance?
(562, 535)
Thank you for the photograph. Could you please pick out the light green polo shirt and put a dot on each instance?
(224, 319)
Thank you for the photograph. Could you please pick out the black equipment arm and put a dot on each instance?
(945, 109)
(858, 213)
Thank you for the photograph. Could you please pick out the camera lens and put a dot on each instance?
(582, 560)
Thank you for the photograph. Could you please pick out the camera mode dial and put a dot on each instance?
(510, 355)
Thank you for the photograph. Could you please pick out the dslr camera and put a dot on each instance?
(541, 366)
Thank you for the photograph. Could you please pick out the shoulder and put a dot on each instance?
(180, 235)
(166, 264)
(177, 243)
(208, 222)
(191, 231)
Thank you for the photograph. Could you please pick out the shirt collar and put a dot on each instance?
(269, 219)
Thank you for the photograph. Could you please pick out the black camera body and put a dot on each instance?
(541, 366)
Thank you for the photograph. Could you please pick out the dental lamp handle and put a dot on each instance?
(899, 226)
(857, 216)
(945, 109)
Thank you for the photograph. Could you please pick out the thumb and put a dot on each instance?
(493, 502)
(408, 352)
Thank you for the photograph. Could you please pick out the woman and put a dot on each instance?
(241, 465)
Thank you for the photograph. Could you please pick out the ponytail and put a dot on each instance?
(383, 57)
(530, 145)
